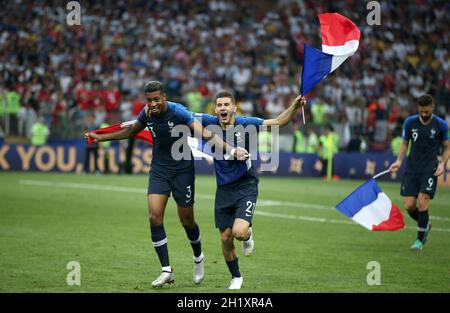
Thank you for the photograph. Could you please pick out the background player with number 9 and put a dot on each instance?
(426, 132)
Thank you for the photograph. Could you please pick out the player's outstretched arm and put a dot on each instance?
(199, 130)
(125, 133)
(441, 167)
(286, 116)
(401, 153)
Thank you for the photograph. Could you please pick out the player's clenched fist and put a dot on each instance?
(91, 137)
(241, 154)
(440, 170)
(300, 101)
(395, 166)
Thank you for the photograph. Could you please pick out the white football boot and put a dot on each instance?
(164, 278)
(199, 269)
(236, 283)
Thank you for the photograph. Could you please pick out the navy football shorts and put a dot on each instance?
(182, 186)
(237, 200)
(414, 183)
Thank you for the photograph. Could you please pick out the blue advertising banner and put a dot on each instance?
(69, 156)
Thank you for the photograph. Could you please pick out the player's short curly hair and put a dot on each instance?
(225, 94)
(154, 85)
(425, 100)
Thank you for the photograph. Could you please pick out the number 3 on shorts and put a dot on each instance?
(250, 208)
(189, 192)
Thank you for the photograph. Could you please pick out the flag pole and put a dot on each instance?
(301, 85)
(380, 174)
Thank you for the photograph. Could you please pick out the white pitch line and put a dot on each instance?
(325, 220)
(141, 190)
(294, 204)
(303, 218)
(93, 187)
(261, 203)
(80, 186)
(440, 218)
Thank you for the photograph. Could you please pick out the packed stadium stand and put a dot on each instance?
(59, 73)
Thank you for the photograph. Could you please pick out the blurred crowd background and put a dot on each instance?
(72, 78)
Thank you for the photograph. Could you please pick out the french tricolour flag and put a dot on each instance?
(144, 135)
(195, 144)
(340, 40)
(372, 208)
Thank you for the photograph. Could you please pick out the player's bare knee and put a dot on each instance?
(188, 223)
(155, 219)
(423, 202)
(240, 234)
(186, 216)
(410, 205)
(227, 241)
(226, 236)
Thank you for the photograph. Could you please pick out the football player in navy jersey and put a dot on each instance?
(425, 132)
(237, 181)
(170, 174)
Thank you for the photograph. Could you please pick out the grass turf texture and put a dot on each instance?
(302, 244)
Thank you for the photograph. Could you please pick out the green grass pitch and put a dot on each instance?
(302, 244)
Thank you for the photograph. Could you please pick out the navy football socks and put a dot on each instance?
(422, 223)
(194, 237)
(414, 214)
(233, 266)
(159, 240)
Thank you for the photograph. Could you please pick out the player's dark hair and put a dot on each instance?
(425, 100)
(225, 94)
(154, 85)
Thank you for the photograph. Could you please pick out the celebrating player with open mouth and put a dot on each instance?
(169, 174)
(237, 181)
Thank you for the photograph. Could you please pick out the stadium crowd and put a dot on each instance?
(60, 74)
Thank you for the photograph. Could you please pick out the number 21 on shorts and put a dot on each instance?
(250, 208)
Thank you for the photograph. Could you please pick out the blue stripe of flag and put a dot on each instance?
(316, 66)
(359, 198)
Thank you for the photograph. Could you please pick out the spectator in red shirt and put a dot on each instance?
(111, 96)
(97, 99)
(83, 96)
(138, 104)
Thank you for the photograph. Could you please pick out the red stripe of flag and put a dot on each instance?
(337, 29)
(395, 221)
(144, 135)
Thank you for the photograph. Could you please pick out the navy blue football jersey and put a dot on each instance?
(425, 141)
(161, 129)
(228, 171)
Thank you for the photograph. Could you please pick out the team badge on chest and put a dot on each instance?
(432, 133)
(170, 124)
